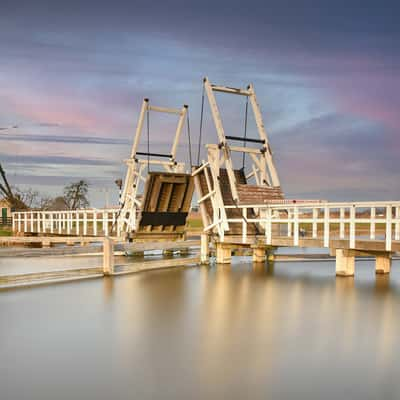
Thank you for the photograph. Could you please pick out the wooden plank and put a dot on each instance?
(7, 281)
(158, 264)
(173, 179)
(154, 194)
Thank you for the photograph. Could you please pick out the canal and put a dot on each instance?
(288, 331)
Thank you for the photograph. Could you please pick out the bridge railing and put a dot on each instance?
(83, 222)
(325, 221)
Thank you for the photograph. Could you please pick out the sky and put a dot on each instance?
(73, 76)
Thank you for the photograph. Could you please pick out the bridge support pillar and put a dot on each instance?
(204, 249)
(345, 261)
(224, 253)
(108, 256)
(259, 255)
(383, 263)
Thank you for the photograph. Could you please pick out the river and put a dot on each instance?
(285, 331)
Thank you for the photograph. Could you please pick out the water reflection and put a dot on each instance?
(280, 331)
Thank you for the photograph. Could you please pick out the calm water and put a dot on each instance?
(291, 331)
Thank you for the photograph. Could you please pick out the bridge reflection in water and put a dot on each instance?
(237, 331)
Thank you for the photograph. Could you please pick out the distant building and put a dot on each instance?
(5, 211)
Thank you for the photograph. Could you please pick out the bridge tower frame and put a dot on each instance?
(130, 202)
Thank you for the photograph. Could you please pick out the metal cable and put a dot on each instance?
(201, 127)
(190, 141)
(245, 130)
(148, 139)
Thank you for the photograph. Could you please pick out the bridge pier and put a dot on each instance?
(383, 263)
(224, 253)
(108, 256)
(204, 249)
(345, 261)
(259, 254)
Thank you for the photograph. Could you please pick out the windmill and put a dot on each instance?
(5, 189)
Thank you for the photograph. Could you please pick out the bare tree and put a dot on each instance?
(46, 203)
(29, 197)
(75, 195)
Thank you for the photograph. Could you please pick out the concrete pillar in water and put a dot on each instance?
(259, 254)
(383, 263)
(108, 256)
(204, 249)
(224, 253)
(345, 261)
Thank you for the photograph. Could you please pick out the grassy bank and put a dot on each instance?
(5, 231)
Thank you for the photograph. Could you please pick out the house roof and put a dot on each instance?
(4, 202)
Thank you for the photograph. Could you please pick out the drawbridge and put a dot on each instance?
(161, 209)
(222, 187)
(241, 205)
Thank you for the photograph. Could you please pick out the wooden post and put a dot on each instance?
(372, 223)
(38, 221)
(295, 227)
(352, 240)
(59, 217)
(77, 223)
(268, 228)
(108, 256)
(51, 223)
(244, 225)
(289, 226)
(95, 223)
(85, 223)
(204, 250)
(345, 261)
(383, 263)
(224, 253)
(326, 226)
(388, 228)
(314, 223)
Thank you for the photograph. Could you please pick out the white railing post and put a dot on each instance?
(31, 215)
(352, 241)
(13, 221)
(59, 216)
(77, 222)
(372, 224)
(44, 222)
(113, 219)
(38, 222)
(296, 226)
(105, 223)
(289, 226)
(85, 223)
(69, 223)
(341, 223)
(51, 223)
(388, 228)
(268, 227)
(397, 226)
(326, 226)
(314, 223)
(25, 222)
(119, 226)
(19, 222)
(244, 225)
(95, 222)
